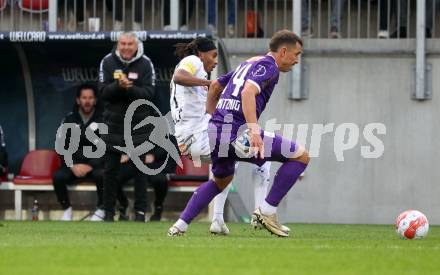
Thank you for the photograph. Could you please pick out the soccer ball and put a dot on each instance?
(242, 145)
(412, 224)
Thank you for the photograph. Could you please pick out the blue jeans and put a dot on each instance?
(212, 11)
(335, 17)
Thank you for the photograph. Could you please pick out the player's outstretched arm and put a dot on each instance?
(250, 91)
(215, 89)
(184, 78)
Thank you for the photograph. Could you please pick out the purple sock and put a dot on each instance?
(199, 200)
(285, 178)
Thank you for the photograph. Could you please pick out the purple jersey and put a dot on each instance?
(262, 71)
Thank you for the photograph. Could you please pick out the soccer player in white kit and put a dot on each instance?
(189, 87)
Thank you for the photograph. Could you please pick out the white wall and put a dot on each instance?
(360, 89)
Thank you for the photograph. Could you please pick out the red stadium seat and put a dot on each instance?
(34, 5)
(38, 167)
(189, 175)
(3, 4)
(5, 177)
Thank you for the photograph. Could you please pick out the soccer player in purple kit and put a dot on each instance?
(236, 101)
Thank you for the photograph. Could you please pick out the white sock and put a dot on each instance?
(219, 204)
(181, 224)
(261, 178)
(67, 215)
(267, 209)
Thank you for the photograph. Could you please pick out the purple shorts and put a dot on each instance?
(224, 155)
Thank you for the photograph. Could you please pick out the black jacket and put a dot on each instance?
(117, 100)
(78, 156)
(3, 154)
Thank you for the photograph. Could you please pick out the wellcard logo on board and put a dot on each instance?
(27, 36)
(142, 35)
(80, 74)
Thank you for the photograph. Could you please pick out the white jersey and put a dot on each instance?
(188, 103)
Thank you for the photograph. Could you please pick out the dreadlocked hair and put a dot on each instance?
(185, 49)
(200, 44)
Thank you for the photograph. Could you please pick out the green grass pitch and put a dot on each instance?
(132, 248)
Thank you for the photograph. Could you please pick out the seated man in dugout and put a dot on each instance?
(84, 115)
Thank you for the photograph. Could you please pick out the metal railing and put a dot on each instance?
(365, 18)
(227, 18)
(106, 15)
(23, 15)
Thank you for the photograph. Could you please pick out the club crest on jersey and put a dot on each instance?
(260, 71)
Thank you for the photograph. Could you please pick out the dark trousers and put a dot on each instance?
(118, 11)
(397, 9)
(74, 6)
(158, 182)
(160, 186)
(112, 184)
(64, 176)
(166, 11)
